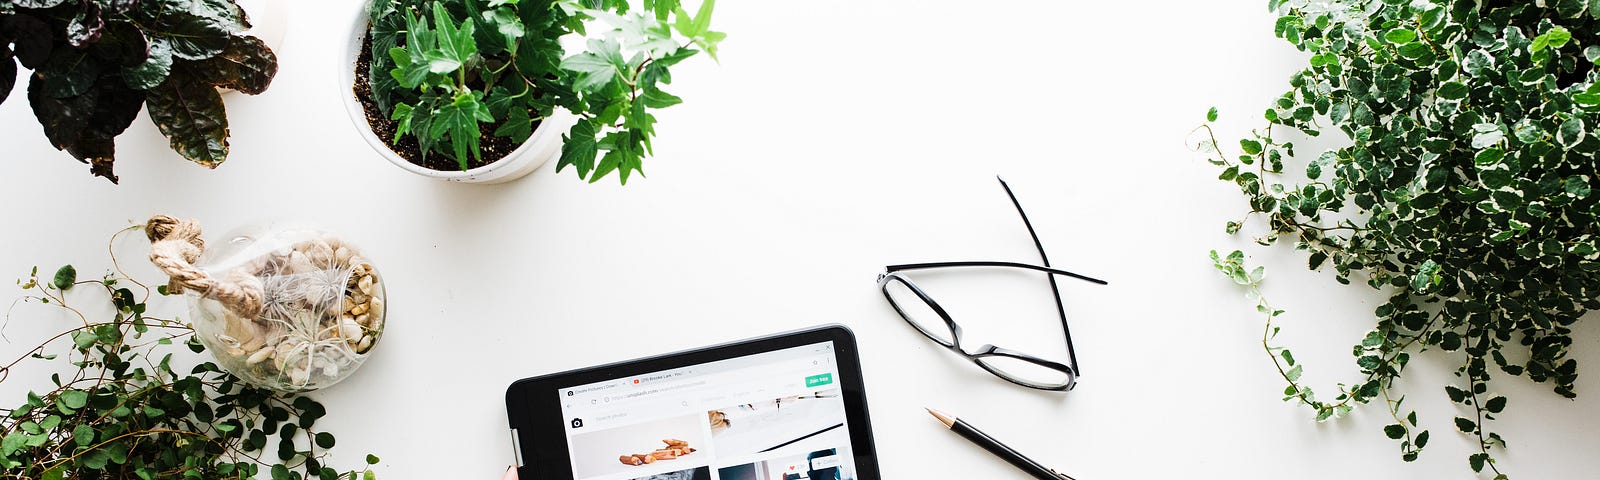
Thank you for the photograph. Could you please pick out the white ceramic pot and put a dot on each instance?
(544, 144)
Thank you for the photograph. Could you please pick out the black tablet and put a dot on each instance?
(786, 407)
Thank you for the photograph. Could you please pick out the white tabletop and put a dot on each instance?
(833, 138)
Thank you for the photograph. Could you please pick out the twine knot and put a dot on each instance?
(174, 247)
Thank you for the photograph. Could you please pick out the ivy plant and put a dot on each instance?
(445, 68)
(1463, 191)
(97, 62)
(123, 410)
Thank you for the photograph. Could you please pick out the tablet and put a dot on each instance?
(786, 407)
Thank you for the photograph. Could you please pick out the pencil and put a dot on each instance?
(999, 449)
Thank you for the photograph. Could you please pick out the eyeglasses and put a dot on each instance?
(922, 312)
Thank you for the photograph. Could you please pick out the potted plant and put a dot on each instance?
(483, 91)
(1465, 193)
(96, 63)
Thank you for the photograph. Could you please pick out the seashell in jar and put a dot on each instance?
(299, 375)
(299, 262)
(280, 356)
(320, 253)
(341, 256)
(259, 356)
(253, 345)
(365, 284)
(364, 345)
(375, 307)
(359, 310)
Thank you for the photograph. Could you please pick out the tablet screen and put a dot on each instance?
(776, 415)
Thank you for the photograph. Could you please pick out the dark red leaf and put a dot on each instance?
(84, 29)
(247, 65)
(34, 38)
(193, 37)
(121, 6)
(62, 118)
(8, 74)
(86, 125)
(68, 73)
(190, 113)
(122, 44)
(226, 12)
(38, 4)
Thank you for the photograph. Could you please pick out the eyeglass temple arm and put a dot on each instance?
(1057, 271)
(1061, 308)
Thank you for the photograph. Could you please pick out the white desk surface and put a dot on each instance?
(833, 138)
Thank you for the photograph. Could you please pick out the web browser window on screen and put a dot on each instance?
(772, 416)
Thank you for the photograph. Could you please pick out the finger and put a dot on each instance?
(511, 474)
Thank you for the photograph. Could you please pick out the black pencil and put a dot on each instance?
(999, 449)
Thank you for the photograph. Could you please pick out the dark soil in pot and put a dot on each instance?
(493, 147)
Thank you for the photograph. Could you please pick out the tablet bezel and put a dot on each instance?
(534, 411)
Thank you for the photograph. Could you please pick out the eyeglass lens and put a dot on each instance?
(1025, 371)
(917, 311)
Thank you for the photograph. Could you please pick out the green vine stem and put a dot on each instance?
(124, 412)
(1460, 186)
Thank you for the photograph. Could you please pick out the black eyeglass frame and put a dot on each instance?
(1071, 370)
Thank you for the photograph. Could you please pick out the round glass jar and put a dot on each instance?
(286, 309)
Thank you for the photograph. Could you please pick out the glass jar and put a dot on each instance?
(287, 309)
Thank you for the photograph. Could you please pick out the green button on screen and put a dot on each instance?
(819, 380)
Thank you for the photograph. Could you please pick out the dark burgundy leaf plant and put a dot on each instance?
(96, 62)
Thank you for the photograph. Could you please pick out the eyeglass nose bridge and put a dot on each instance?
(982, 350)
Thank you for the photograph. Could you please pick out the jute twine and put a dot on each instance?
(174, 247)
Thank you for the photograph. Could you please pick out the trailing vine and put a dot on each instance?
(125, 412)
(1463, 192)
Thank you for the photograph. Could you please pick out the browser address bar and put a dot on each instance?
(759, 373)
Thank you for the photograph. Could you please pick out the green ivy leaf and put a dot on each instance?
(324, 440)
(1453, 90)
(518, 126)
(578, 147)
(1495, 405)
(1250, 147)
(1571, 132)
(455, 44)
(74, 399)
(1395, 431)
(83, 435)
(505, 22)
(66, 277)
(1400, 36)
(596, 67)
(459, 119)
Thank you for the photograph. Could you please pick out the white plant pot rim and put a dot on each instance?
(541, 146)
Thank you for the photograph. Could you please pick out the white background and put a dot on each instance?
(834, 137)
